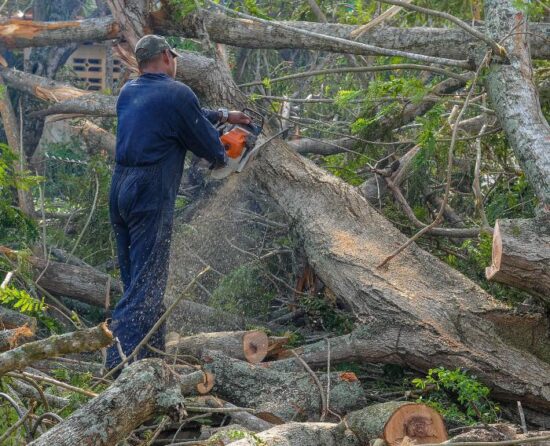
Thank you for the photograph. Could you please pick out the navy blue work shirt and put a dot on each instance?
(157, 115)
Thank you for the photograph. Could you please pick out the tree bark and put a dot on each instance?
(144, 389)
(248, 346)
(303, 434)
(521, 255)
(280, 395)
(87, 340)
(515, 98)
(16, 33)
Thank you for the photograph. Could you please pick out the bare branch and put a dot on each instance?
(361, 70)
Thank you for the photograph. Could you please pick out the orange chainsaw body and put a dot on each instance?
(234, 141)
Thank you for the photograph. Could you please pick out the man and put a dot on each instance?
(159, 119)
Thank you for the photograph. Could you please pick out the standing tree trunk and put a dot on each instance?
(513, 93)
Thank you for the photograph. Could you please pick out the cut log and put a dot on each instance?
(145, 388)
(204, 386)
(395, 420)
(281, 395)
(303, 434)
(521, 255)
(417, 422)
(249, 346)
(12, 338)
(87, 340)
(13, 319)
(82, 283)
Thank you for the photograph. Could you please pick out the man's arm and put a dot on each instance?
(231, 117)
(196, 131)
(212, 115)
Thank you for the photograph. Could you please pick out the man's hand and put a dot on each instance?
(238, 117)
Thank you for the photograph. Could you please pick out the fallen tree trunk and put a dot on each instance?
(82, 283)
(438, 42)
(145, 388)
(87, 340)
(281, 395)
(521, 255)
(445, 42)
(248, 346)
(420, 311)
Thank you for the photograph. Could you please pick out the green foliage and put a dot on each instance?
(70, 190)
(21, 300)
(534, 10)
(251, 6)
(16, 229)
(456, 386)
(182, 8)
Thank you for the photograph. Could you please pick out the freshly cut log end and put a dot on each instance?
(206, 386)
(251, 346)
(208, 381)
(255, 346)
(418, 422)
(521, 255)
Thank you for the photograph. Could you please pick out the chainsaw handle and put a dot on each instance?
(255, 116)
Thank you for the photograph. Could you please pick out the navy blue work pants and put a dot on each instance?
(141, 205)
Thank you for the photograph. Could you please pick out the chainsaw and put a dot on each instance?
(240, 142)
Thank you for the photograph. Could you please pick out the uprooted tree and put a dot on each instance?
(407, 306)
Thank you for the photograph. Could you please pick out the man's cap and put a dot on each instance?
(151, 45)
